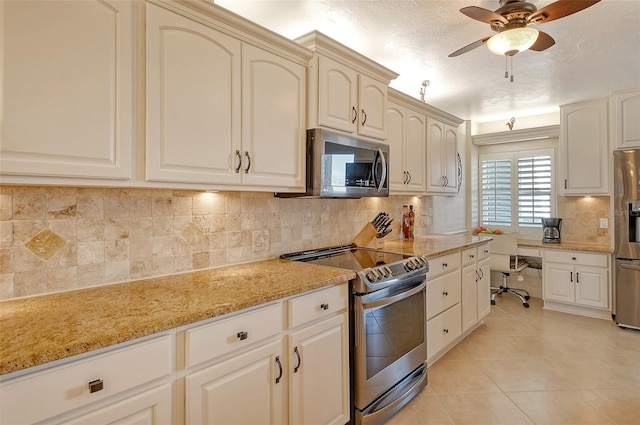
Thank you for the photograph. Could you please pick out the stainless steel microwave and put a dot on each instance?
(342, 166)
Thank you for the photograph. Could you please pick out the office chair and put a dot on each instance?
(503, 251)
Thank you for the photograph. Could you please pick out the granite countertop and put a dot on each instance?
(569, 246)
(38, 330)
(435, 245)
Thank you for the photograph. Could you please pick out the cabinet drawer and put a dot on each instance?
(443, 329)
(576, 258)
(215, 339)
(443, 264)
(310, 307)
(41, 395)
(443, 292)
(483, 251)
(469, 255)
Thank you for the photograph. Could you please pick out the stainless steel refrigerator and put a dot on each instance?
(627, 237)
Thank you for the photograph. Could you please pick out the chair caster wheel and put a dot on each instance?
(493, 302)
(526, 305)
(527, 297)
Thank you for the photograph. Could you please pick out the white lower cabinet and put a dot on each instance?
(220, 394)
(476, 282)
(443, 304)
(576, 279)
(152, 407)
(250, 369)
(319, 363)
(125, 386)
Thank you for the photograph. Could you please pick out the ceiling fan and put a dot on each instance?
(511, 22)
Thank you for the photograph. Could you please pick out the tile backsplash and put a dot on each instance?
(581, 219)
(61, 238)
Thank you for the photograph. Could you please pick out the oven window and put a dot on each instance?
(392, 331)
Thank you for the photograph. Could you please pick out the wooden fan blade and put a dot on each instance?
(469, 47)
(483, 15)
(558, 10)
(543, 42)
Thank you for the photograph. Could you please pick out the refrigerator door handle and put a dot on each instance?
(629, 266)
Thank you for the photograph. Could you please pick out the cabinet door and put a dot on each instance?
(372, 98)
(591, 286)
(242, 390)
(626, 125)
(273, 120)
(66, 88)
(558, 282)
(584, 148)
(149, 408)
(319, 367)
(484, 288)
(450, 159)
(415, 151)
(469, 296)
(396, 140)
(337, 95)
(193, 101)
(435, 137)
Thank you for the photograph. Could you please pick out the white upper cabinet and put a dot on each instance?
(625, 119)
(220, 111)
(347, 91)
(406, 136)
(584, 148)
(66, 90)
(442, 157)
(193, 112)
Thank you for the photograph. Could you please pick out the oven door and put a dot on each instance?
(390, 338)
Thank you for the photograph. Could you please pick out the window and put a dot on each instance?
(516, 189)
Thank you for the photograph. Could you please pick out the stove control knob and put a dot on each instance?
(371, 276)
(388, 270)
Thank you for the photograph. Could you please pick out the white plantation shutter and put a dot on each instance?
(534, 190)
(516, 189)
(496, 192)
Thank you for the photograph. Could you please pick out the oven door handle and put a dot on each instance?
(394, 298)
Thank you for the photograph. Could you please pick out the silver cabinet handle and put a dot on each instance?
(95, 386)
(246, 153)
(297, 353)
(242, 335)
(280, 369)
(239, 161)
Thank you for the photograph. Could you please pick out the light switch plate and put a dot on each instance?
(604, 223)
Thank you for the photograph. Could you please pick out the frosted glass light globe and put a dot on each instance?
(512, 41)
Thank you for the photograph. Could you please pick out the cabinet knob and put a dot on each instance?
(574, 258)
(445, 293)
(445, 265)
(95, 386)
(324, 306)
(242, 335)
(445, 330)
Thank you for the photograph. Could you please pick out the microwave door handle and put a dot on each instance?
(384, 169)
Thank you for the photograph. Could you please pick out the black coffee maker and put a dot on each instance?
(551, 230)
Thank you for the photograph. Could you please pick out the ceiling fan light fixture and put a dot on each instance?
(510, 42)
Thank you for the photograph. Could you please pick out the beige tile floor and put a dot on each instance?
(533, 366)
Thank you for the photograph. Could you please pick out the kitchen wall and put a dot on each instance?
(61, 238)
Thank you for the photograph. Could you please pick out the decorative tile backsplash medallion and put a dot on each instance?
(61, 238)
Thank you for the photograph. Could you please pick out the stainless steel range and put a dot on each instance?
(388, 318)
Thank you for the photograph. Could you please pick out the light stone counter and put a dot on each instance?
(432, 246)
(568, 246)
(38, 330)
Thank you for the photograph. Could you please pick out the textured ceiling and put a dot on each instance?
(597, 50)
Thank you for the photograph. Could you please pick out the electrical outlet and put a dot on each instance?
(261, 240)
(604, 223)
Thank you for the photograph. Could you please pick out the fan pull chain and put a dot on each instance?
(511, 69)
(506, 67)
